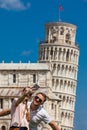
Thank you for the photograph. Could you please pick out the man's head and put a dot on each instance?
(39, 99)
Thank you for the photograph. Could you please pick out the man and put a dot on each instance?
(38, 113)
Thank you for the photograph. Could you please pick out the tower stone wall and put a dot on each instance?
(62, 53)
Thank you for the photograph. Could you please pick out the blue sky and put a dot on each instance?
(22, 27)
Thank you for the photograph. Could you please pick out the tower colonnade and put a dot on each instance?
(58, 53)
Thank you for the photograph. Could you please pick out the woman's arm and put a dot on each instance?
(5, 112)
(28, 93)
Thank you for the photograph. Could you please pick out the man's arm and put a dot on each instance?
(5, 112)
(54, 126)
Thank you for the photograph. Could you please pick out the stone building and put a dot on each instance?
(57, 69)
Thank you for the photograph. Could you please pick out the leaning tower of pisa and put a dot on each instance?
(60, 50)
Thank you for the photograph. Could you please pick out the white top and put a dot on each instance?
(18, 115)
(37, 116)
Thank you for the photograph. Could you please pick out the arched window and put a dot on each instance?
(52, 106)
(3, 128)
(34, 78)
(51, 52)
(14, 78)
(61, 31)
(67, 36)
(67, 55)
(12, 99)
(1, 103)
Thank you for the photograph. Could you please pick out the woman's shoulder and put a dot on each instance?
(28, 103)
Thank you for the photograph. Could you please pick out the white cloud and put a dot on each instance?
(26, 53)
(14, 5)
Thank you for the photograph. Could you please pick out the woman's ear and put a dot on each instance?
(24, 89)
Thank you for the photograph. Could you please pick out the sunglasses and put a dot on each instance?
(40, 100)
